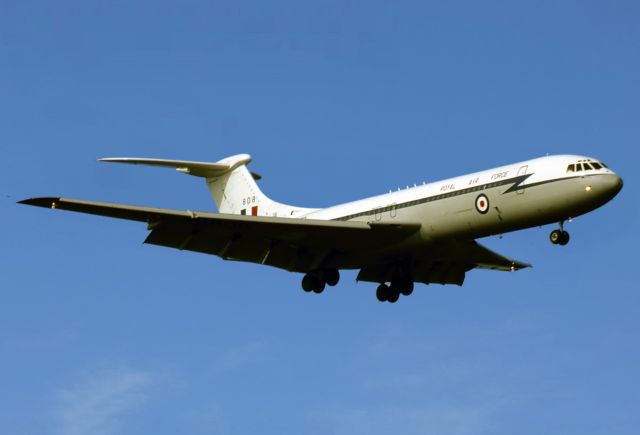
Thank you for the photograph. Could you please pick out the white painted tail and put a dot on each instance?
(236, 192)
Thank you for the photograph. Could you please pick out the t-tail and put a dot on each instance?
(232, 186)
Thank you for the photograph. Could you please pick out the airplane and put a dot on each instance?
(422, 234)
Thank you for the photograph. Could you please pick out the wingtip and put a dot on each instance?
(47, 202)
(120, 159)
(520, 266)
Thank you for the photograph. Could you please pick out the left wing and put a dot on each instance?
(300, 245)
(294, 244)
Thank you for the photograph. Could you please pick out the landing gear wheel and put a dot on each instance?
(312, 283)
(401, 285)
(307, 283)
(331, 276)
(382, 292)
(559, 237)
(318, 286)
(393, 296)
(564, 238)
(407, 289)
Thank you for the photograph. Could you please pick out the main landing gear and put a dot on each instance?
(391, 293)
(560, 236)
(317, 280)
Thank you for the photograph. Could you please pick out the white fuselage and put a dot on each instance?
(507, 198)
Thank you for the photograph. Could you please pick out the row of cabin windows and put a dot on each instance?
(577, 167)
(423, 200)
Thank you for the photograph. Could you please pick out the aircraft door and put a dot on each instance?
(522, 171)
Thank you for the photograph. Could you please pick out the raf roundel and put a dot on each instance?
(482, 204)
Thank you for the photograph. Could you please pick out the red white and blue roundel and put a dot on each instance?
(482, 203)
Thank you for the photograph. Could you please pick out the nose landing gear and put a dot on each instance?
(560, 236)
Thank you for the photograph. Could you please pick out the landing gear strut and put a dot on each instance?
(560, 236)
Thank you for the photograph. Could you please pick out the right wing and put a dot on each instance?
(446, 263)
(481, 257)
(294, 244)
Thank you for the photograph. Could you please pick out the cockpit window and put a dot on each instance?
(602, 163)
(583, 165)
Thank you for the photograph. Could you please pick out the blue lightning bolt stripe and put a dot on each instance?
(517, 181)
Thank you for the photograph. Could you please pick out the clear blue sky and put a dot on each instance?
(335, 100)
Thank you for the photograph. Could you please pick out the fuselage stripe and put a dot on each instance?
(515, 181)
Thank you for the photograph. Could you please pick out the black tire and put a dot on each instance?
(307, 283)
(382, 292)
(407, 289)
(331, 276)
(564, 238)
(318, 285)
(393, 297)
(555, 236)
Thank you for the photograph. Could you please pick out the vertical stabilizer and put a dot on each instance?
(236, 192)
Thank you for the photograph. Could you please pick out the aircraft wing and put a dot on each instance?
(482, 257)
(443, 264)
(292, 244)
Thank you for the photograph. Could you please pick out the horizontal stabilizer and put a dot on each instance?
(198, 169)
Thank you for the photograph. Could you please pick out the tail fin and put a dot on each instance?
(236, 192)
(232, 186)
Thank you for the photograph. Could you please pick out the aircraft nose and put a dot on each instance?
(610, 184)
(620, 183)
(615, 184)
